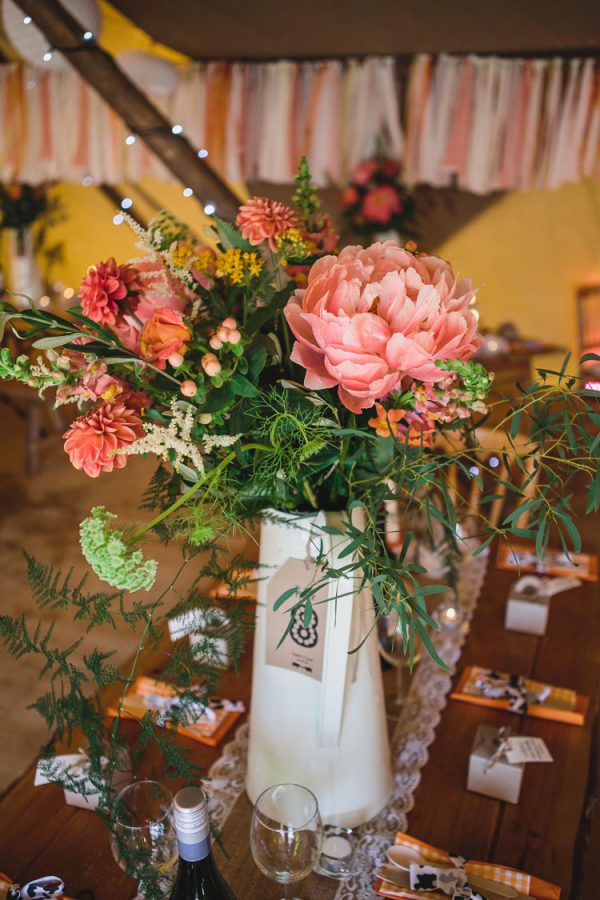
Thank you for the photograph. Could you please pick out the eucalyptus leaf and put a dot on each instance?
(59, 340)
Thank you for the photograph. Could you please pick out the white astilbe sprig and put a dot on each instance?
(174, 442)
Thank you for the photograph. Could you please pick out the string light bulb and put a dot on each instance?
(177, 129)
(130, 139)
(126, 203)
(187, 192)
(210, 209)
(68, 293)
(87, 180)
(47, 57)
(202, 153)
(88, 35)
(118, 219)
(27, 20)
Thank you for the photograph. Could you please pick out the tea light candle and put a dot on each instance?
(336, 847)
(336, 853)
(449, 615)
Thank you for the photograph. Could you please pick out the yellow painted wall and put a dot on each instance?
(529, 252)
(88, 233)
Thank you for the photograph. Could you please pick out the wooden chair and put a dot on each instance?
(32, 410)
(488, 470)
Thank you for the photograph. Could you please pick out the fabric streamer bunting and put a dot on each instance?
(480, 122)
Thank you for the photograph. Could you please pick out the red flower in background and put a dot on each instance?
(350, 196)
(380, 204)
(261, 220)
(92, 440)
(105, 287)
(364, 171)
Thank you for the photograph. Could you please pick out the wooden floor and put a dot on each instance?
(541, 834)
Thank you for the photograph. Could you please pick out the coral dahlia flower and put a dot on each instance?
(103, 289)
(93, 439)
(261, 220)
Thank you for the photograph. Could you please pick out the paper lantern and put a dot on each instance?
(152, 74)
(33, 45)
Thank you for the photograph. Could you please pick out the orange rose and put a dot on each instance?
(164, 334)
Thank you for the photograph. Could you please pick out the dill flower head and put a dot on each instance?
(110, 557)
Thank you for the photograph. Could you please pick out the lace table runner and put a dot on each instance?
(414, 733)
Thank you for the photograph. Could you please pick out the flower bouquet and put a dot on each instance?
(262, 398)
(375, 203)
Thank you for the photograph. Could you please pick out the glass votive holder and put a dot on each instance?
(449, 614)
(337, 852)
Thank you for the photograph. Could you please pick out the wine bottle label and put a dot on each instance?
(194, 852)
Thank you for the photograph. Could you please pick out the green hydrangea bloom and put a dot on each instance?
(110, 558)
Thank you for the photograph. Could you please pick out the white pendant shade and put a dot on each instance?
(33, 45)
(152, 74)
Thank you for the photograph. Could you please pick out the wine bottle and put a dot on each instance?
(198, 877)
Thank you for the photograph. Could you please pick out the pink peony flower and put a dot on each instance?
(371, 317)
(104, 288)
(380, 204)
(93, 439)
(261, 220)
(164, 334)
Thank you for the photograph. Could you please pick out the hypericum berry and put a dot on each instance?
(215, 343)
(229, 323)
(234, 336)
(211, 364)
(188, 388)
(175, 360)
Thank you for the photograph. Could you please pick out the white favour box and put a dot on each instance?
(201, 625)
(527, 609)
(75, 766)
(500, 780)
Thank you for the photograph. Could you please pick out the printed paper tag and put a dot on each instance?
(526, 750)
(302, 650)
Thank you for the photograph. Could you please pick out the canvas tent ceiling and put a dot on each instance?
(259, 29)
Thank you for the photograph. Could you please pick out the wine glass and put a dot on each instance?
(143, 839)
(286, 833)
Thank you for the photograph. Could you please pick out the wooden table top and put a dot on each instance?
(546, 833)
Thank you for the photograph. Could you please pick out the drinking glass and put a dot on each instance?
(286, 833)
(143, 838)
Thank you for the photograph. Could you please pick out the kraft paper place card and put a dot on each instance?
(500, 690)
(521, 556)
(212, 721)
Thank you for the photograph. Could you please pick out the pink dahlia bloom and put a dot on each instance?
(104, 287)
(370, 318)
(93, 439)
(261, 220)
(380, 204)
